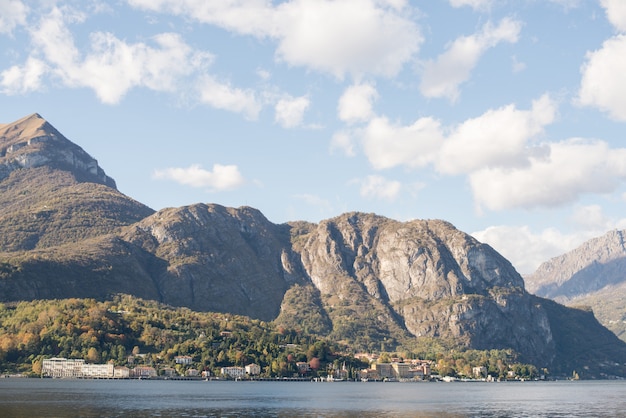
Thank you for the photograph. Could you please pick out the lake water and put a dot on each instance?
(145, 398)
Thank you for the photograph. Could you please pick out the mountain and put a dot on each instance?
(52, 192)
(594, 274)
(362, 279)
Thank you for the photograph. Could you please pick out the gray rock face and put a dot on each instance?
(219, 259)
(593, 274)
(597, 263)
(32, 142)
(432, 279)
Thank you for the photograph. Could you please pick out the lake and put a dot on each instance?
(167, 398)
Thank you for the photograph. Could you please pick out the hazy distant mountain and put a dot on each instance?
(360, 278)
(593, 274)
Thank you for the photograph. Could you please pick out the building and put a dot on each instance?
(303, 367)
(60, 367)
(253, 369)
(233, 372)
(480, 371)
(401, 370)
(185, 360)
(169, 372)
(98, 370)
(192, 373)
(121, 372)
(143, 372)
(384, 370)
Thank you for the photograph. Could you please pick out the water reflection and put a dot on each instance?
(93, 398)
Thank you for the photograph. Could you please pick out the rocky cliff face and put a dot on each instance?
(429, 278)
(33, 142)
(593, 274)
(219, 259)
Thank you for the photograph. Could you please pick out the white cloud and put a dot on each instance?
(616, 13)
(498, 138)
(336, 37)
(525, 249)
(112, 67)
(343, 141)
(474, 4)
(290, 111)
(222, 178)
(23, 79)
(442, 77)
(224, 96)
(12, 14)
(355, 104)
(570, 169)
(602, 83)
(378, 187)
(387, 145)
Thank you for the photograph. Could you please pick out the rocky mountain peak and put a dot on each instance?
(32, 142)
(577, 272)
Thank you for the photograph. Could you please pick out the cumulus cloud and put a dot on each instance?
(378, 187)
(525, 249)
(112, 66)
(290, 111)
(226, 97)
(23, 79)
(336, 37)
(570, 169)
(496, 138)
(12, 14)
(355, 104)
(616, 13)
(602, 83)
(387, 145)
(443, 76)
(221, 178)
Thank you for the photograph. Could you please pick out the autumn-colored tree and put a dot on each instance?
(314, 363)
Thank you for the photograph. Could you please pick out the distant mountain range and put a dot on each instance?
(362, 279)
(594, 274)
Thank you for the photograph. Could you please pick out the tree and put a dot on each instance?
(92, 355)
(314, 363)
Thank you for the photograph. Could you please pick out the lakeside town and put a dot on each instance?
(396, 370)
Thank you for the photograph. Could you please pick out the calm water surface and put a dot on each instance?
(143, 398)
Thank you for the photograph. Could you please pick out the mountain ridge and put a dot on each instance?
(359, 278)
(592, 275)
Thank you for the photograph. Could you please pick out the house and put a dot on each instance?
(253, 369)
(169, 372)
(142, 372)
(121, 372)
(303, 367)
(192, 373)
(233, 372)
(480, 371)
(185, 360)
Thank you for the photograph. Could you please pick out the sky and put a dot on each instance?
(504, 117)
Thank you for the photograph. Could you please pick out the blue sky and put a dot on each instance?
(503, 117)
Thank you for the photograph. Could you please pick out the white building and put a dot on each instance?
(233, 372)
(253, 369)
(98, 370)
(61, 367)
(183, 360)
